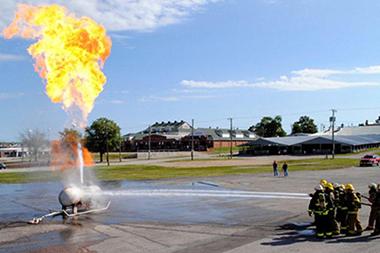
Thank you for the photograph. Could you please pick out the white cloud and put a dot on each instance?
(300, 80)
(6, 95)
(119, 15)
(368, 70)
(10, 57)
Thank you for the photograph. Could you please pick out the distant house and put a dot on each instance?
(162, 136)
(177, 135)
(12, 150)
(220, 138)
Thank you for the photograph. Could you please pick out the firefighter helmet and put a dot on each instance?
(329, 186)
(350, 187)
(323, 182)
(372, 186)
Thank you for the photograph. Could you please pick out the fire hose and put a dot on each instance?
(38, 220)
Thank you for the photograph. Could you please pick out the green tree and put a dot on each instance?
(103, 136)
(304, 125)
(269, 127)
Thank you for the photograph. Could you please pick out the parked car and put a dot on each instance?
(2, 166)
(370, 160)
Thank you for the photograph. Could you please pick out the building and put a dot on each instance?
(347, 139)
(366, 128)
(163, 136)
(222, 138)
(12, 149)
(178, 136)
(313, 144)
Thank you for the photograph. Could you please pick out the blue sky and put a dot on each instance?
(210, 60)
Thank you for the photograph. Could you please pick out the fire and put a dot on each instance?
(69, 53)
(64, 153)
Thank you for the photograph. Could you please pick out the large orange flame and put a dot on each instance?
(69, 53)
(64, 153)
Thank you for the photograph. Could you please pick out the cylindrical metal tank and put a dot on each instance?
(70, 196)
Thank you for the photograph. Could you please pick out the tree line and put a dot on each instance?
(104, 135)
(272, 127)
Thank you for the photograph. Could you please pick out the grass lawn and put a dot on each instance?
(225, 150)
(364, 152)
(149, 172)
(145, 172)
(114, 156)
(28, 177)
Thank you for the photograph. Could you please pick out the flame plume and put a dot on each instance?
(69, 53)
(64, 153)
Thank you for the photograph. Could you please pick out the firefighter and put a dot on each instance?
(376, 205)
(323, 182)
(371, 198)
(341, 208)
(320, 205)
(353, 202)
(329, 190)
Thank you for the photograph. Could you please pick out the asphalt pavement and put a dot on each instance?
(152, 220)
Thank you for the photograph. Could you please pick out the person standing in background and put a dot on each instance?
(275, 168)
(285, 169)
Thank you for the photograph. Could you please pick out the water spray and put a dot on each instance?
(80, 162)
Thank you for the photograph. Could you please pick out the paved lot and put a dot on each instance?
(183, 223)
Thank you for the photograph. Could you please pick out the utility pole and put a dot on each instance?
(120, 144)
(230, 119)
(108, 156)
(192, 139)
(149, 140)
(332, 121)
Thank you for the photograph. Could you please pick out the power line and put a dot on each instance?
(230, 119)
(332, 120)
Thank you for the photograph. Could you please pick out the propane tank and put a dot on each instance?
(69, 196)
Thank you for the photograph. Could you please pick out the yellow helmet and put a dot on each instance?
(323, 182)
(350, 187)
(329, 186)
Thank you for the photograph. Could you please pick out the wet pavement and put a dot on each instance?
(244, 214)
(185, 203)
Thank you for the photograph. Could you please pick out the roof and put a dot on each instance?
(219, 134)
(350, 140)
(182, 129)
(169, 128)
(354, 130)
(282, 141)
